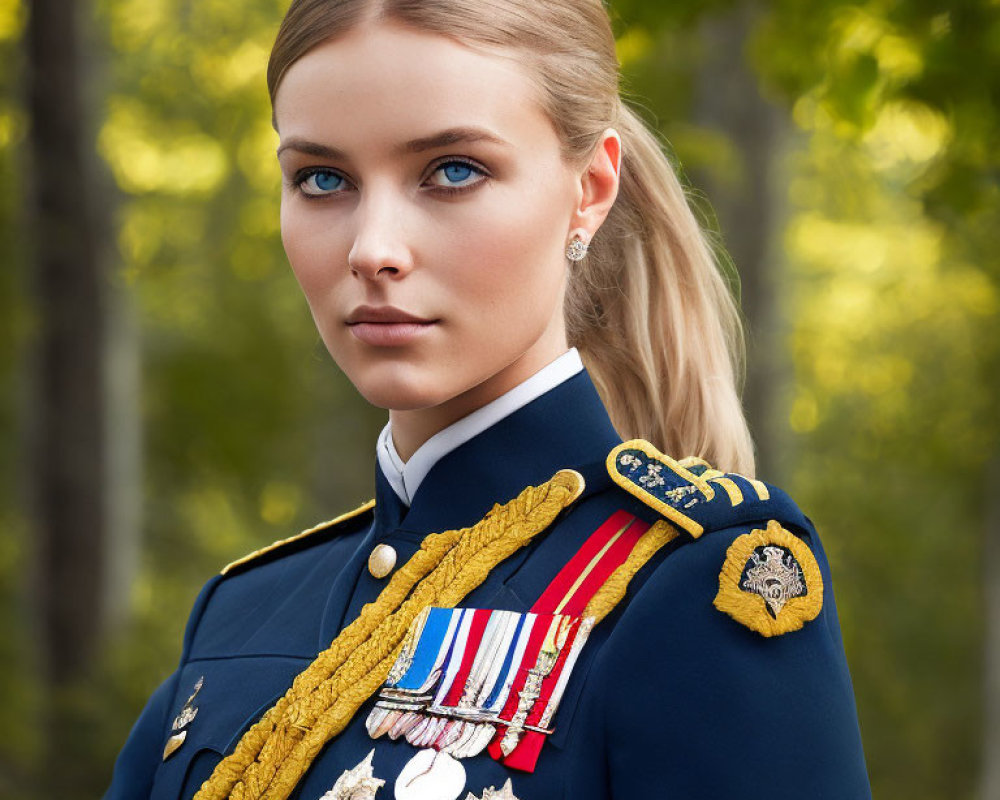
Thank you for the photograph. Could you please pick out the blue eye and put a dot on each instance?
(319, 182)
(323, 182)
(456, 172)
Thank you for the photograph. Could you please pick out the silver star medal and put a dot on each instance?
(430, 775)
(504, 793)
(356, 784)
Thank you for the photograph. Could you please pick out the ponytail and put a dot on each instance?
(654, 320)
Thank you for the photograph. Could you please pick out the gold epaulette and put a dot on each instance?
(685, 491)
(299, 536)
(771, 581)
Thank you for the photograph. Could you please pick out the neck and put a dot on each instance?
(563, 427)
(411, 428)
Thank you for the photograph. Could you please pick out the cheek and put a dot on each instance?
(312, 249)
(510, 262)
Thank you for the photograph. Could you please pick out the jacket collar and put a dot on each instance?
(566, 427)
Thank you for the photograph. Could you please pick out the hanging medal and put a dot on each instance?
(431, 774)
(469, 680)
(416, 670)
(570, 591)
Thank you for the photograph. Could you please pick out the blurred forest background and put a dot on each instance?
(167, 405)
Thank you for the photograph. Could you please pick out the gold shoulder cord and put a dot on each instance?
(239, 562)
(275, 752)
(613, 589)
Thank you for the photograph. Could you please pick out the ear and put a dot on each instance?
(598, 186)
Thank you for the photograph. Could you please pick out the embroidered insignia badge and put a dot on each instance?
(356, 784)
(770, 581)
(184, 718)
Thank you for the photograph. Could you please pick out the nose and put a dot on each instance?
(379, 250)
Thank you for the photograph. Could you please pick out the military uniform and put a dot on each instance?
(719, 673)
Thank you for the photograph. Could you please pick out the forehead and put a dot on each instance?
(382, 83)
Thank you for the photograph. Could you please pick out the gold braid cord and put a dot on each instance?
(277, 750)
(613, 590)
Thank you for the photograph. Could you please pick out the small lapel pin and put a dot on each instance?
(184, 718)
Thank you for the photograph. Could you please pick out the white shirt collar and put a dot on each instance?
(405, 477)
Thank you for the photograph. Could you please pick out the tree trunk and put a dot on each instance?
(123, 443)
(67, 447)
(748, 205)
(990, 775)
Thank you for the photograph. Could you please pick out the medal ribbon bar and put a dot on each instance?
(467, 678)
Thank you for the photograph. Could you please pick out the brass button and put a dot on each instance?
(381, 561)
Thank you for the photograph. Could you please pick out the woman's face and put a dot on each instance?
(423, 181)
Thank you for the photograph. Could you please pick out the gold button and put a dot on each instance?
(381, 561)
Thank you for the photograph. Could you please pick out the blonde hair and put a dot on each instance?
(648, 307)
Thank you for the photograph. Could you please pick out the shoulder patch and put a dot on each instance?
(770, 581)
(690, 493)
(298, 537)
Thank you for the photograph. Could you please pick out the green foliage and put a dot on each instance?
(894, 287)
(891, 293)
(245, 415)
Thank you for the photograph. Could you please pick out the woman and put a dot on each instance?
(532, 607)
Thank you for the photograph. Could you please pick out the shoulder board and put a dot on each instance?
(692, 494)
(282, 544)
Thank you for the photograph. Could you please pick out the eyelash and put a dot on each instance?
(304, 174)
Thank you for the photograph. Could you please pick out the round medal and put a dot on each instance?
(430, 775)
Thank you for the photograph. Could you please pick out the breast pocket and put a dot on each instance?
(217, 701)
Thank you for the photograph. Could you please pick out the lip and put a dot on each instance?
(383, 315)
(387, 326)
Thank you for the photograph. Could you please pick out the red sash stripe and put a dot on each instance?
(535, 642)
(605, 550)
(525, 755)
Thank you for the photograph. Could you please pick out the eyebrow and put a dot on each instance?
(444, 138)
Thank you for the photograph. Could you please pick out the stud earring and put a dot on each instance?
(577, 249)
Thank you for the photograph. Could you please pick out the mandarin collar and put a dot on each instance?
(566, 427)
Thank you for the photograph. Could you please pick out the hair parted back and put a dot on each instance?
(648, 307)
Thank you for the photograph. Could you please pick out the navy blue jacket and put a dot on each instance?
(670, 697)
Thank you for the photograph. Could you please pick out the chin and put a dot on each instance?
(400, 392)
